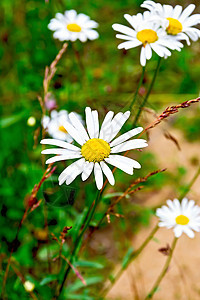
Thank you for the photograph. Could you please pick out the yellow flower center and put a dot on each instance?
(62, 128)
(95, 150)
(147, 36)
(74, 27)
(174, 27)
(182, 220)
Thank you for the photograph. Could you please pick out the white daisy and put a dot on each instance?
(183, 217)
(72, 26)
(147, 33)
(97, 147)
(180, 21)
(54, 125)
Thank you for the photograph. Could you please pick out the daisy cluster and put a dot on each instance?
(160, 28)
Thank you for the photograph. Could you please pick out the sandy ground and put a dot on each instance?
(182, 280)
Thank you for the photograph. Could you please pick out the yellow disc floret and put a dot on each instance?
(62, 128)
(74, 27)
(174, 27)
(182, 220)
(95, 150)
(147, 36)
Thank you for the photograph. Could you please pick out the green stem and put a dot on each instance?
(91, 211)
(137, 90)
(148, 92)
(164, 270)
(184, 193)
(131, 258)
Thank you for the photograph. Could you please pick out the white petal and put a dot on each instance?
(60, 151)
(116, 161)
(124, 29)
(91, 24)
(96, 123)
(74, 133)
(78, 125)
(106, 124)
(87, 170)
(188, 231)
(126, 136)
(92, 34)
(89, 122)
(45, 121)
(130, 19)
(55, 25)
(133, 144)
(142, 57)
(59, 144)
(178, 230)
(82, 37)
(116, 124)
(98, 176)
(177, 11)
(71, 15)
(125, 37)
(63, 157)
(126, 160)
(61, 34)
(187, 11)
(129, 44)
(108, 173)
(71, 172)
(148, 51)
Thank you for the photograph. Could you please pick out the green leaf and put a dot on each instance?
(48, 279)
(74, 296)
(8, 121)
(89, 281)
(112, 195)
(89, 264)
(127, 258)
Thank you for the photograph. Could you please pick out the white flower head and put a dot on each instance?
(71, 26)
(146, 32)
(182, 217)
(54, 125)
(180, 22)
(29, 286)
(97, 147)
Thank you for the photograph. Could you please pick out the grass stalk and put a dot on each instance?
(148, 93)
(163, 272)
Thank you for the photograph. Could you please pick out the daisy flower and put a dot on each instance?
(180, 22)
(97, 147)
(72, 26)
(147, 33)
(182, 217)
(54, 125)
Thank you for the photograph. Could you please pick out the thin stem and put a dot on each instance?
(164, 270)
(131, 258)
(78, 58)
(148, 93)
(184, 193)
(78, 241)
(137, 90)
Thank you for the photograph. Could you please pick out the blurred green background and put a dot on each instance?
(108, 80)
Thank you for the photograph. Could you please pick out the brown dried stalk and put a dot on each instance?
(50, 71)
(129, 190)
(169, 111)
(75, 270)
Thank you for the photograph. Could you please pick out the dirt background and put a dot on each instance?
(182, 280)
